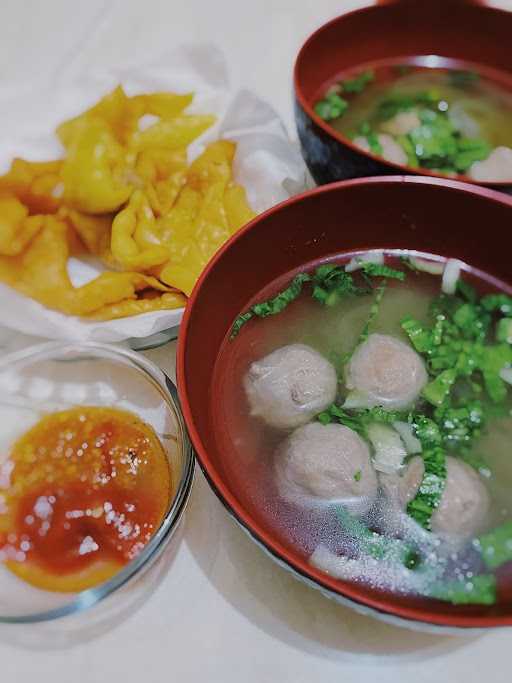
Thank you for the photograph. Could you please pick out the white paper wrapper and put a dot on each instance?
(266, 163)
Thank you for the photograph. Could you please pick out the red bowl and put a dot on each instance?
(457, 30)
(430, 215)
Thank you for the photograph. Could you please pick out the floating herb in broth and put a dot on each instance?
(450, 121)
(408, 487)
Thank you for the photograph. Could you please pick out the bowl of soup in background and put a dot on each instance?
(434, 216)
(460, 37)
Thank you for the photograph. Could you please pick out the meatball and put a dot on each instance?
(290, 386)
(387, 372)
(496, 168)
(391, 150)
(465, 501)
(326, 463)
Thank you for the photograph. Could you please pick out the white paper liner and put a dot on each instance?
(267, 163)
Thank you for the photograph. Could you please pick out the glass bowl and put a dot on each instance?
(56, 376)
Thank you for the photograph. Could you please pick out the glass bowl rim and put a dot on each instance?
(92, 596)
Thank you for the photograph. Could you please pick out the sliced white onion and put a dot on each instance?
(451, 274)
(358, 399)
(389, 450)
(406, 431)
(358, 262)
(426, 266)
(343, 567)
(506, 374)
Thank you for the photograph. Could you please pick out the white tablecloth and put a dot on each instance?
(224, 612)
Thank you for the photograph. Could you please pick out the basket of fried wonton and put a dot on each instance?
(104, 235)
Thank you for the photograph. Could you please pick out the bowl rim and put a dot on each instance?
(92, 596)
(347, 591)
(339, 137)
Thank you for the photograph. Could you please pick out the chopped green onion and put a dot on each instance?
(374, 311)
(436, 391)
(419, 336)
(274, 305)
(492, 361)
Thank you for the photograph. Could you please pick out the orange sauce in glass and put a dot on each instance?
(88, 489)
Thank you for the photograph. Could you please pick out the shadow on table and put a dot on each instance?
(75, 630)
(279, 604)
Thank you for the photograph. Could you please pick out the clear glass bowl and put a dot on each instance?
(56, 376)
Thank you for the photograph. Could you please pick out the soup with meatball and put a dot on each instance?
(452, 121)
(367, 417)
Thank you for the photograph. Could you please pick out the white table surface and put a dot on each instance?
(224, 612)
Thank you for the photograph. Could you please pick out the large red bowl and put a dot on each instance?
(468, 31)
(430, 215)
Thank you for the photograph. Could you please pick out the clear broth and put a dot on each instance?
(479, 109)
(249, 446)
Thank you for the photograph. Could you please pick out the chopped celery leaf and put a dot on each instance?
(504, 330)
(398, 102)
(358, 83)
(381, 270)
(460, 425)
(374, 544)
(470, 150)
(428, 497)
(407, 145)
(359, 419)
(478, 590)
(434, 142)
(274, 305)
(496, 546)
(461, 78)
(331, 107)
(331, 283)
(493, 360)
(501, 303)
(467, 291)
(366, 131)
